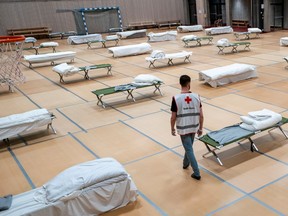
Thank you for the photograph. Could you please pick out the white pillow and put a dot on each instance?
(146, 78)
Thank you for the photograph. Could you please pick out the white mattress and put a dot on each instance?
(49, 57)
(163, 36)
(106, 186)
(219, 30)
(14, 124)
(130, 50)
(190, 28)
(126, 34)
(227, 74)
(80, 39)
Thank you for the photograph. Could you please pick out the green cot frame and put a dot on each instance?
(91, 67)
(247, 35)
(216, 146)
(111, 90)
(234, 46)
(198, 40)
(89, 44)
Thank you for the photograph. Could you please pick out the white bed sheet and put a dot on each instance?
(219, 30)
(162, 36)
(110, 193)
(227, 74)
(130, 50)
(190, 28)
(49, 57)
(14, 124)
(126, 34)
(82, 39)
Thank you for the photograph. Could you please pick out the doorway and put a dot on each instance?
(277, 15)
(192, 12)
(217, 12)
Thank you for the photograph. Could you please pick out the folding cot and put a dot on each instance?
(162, 36)
(135, 49)
(247, 35)
(141, 81)
(169, 56)
(67, 70)
(89, 188)
(114, 38)
(226, 74)
(286, 59)
(62, 34)
(191, 28)
(18, 123)
(191, 38)
(235, 133)
(51, 44)
(234, 45)
(132, 34)
(49, 57)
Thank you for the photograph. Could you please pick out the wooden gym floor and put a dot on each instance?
(138, 133)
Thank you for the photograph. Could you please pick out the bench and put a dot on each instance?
(18, 123)
(240, 23)
(141, 25)
(30, 32)
(168, 23)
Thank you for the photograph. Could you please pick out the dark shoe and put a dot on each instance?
(196, 177)
(185, 167)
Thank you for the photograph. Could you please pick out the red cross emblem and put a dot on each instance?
(188, 99)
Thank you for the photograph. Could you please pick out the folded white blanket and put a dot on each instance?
(65, 69)
(188, 37)
(159, 54)
(146, 78)
(223, 42)
(259, 120)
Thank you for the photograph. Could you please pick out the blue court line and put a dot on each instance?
(55, 83)
(142, 158)
(268, 184)
(71, 120)
(22, 168)
(283, 162)
(152, 204)
(28, 97)
(140, 132)
(83, 145)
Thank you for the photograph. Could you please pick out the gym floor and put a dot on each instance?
(137, 134)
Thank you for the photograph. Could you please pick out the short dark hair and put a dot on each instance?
(184, 80)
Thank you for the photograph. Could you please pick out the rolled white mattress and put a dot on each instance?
(49, 57)
(130, 50)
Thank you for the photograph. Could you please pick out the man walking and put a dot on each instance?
(187, 114)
